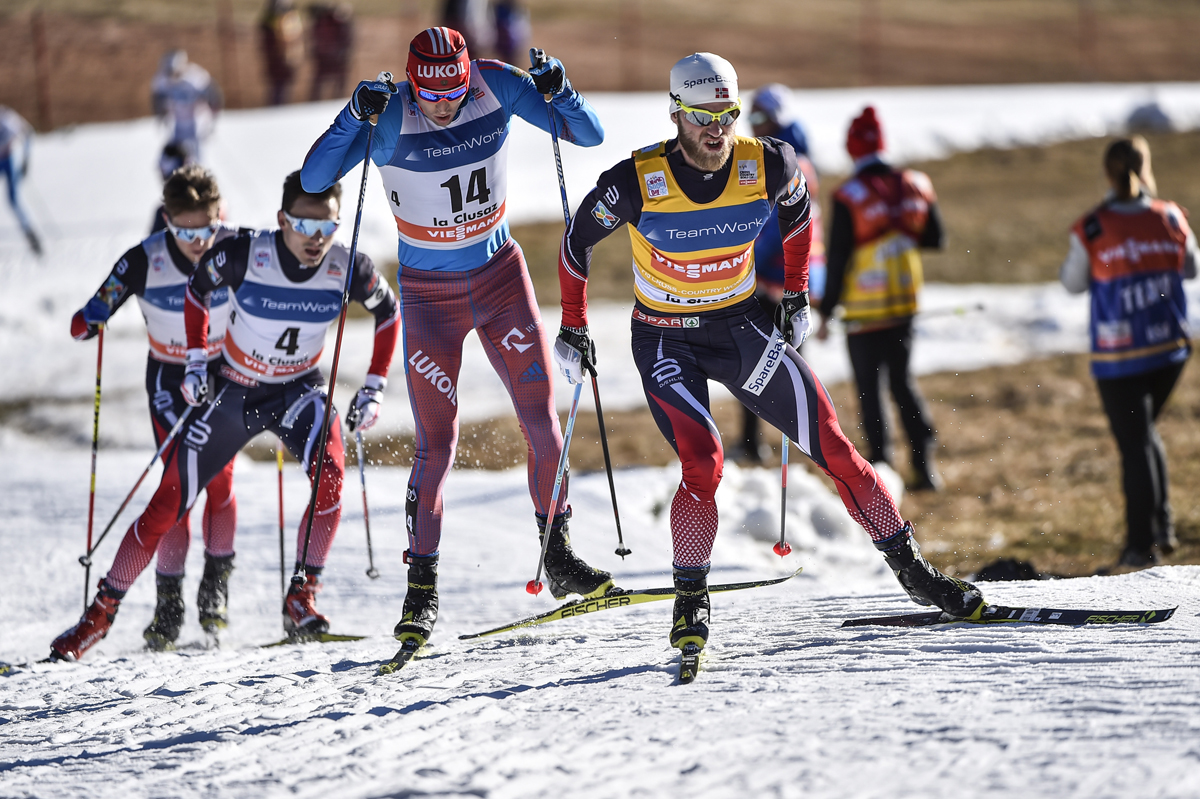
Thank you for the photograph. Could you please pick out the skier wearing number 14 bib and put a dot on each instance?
(441, 145)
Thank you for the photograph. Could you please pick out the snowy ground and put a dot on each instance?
(787, 704)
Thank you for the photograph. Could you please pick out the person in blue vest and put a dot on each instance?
(441, 146)
(1132, 253)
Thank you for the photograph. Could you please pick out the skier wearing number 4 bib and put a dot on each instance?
(285, 288)
(441, 146)
(694, 205)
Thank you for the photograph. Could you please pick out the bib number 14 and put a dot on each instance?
(477, 189)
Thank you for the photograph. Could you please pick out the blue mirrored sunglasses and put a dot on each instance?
(192, 234)
(435, 97)
(311, 227)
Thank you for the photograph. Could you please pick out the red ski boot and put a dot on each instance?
(300, 616)
(92, 626)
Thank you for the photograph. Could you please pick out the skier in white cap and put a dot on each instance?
(694, 205)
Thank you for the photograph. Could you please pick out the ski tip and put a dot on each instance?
(534, 587)
(783, 549)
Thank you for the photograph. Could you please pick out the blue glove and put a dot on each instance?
(88, 319)
(549, 75)
(371, 97)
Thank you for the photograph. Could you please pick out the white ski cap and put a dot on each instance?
(703, 78)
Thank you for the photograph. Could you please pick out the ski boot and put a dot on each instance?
(300, 617)
(691, 608)
(213, 597)
(925, 584)
(168, 614)
(566, 573)
(92, 626)
(421, 601)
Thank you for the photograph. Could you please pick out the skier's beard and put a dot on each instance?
(708, 160)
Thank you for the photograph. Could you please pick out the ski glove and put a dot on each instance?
(574, 353)
(548, 73)
(87, 320)
(792, 317)
(364, 411)
(194, 387)
(371, 97)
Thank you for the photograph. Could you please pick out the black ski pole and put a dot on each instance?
(298, 575)
(87, 567)
(372, 572)
(621, 549)
(86, 560)
(537, 57)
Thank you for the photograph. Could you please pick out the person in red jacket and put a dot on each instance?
(881, 217)
(1132, 253)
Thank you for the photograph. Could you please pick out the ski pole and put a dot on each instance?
(86, 560)
(87, 567)
(372, 572)
(621, 549)
(534, 586)
(282, 568)
(297, 575)
(782, 547)
(536, 56)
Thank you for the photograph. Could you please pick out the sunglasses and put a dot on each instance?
(311, 227)
(192, 234)
(702, 118)
(437, 97)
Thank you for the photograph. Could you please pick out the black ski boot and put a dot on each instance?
(565, 571)
(691, 608)
(168, 614)
(213, 596)
(925, 584)
(421, 601)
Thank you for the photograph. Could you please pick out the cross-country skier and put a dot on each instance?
(16, 139)
(694, 205)
(186, 98)
(285, 288)
(156, 271)
(442, 150)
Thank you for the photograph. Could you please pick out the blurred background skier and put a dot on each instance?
(16, 143)
(187, 100)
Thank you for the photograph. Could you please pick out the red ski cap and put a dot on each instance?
(865, 135)
(438, 60)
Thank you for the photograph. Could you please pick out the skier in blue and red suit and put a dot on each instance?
(441, 145)
(694, 205)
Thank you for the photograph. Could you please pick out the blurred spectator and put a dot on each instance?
(280, 31)
(16, 139)
(881, 216)
(172, 157)
(187, 99)
(512, 29)
(769, 116)
(1132, 253)
(332, 38)
(470, 18)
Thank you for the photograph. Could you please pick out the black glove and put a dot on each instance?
(574, 353)
(792, 317)
(548, 73)
(371, 97)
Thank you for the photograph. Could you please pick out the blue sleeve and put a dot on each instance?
(342, 146)
(574, 116)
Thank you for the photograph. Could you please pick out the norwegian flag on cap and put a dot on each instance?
(722, 93)
(438, 60)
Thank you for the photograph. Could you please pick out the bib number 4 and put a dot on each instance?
(289, 342)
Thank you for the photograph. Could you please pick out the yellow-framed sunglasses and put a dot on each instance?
(702, 118)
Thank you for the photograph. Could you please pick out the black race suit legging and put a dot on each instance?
(740, 348)
(888, 350)
(1133, 404)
